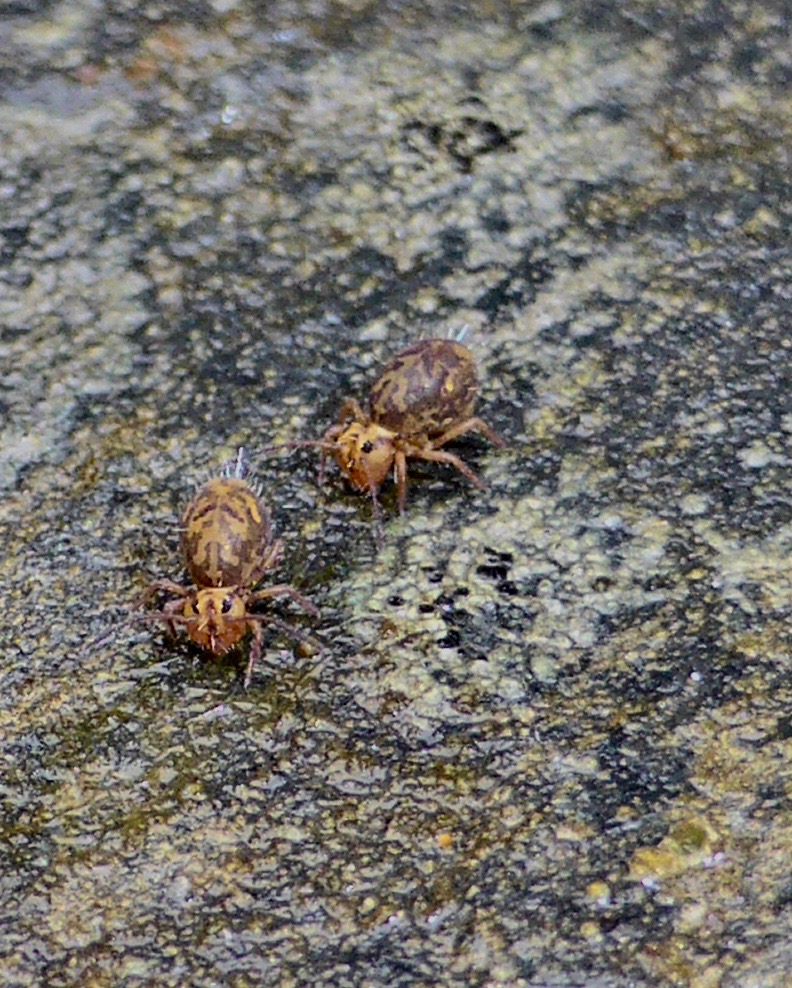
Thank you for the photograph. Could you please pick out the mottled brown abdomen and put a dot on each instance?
(225, 531)
(425, 389)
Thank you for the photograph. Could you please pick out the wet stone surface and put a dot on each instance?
(547, 739)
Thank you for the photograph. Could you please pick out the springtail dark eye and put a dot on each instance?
(227, 604)
(367, 446)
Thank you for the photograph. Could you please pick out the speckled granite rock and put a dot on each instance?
(547, 740)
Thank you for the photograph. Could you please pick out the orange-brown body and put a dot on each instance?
(226, 535)
(425, 389)
(228, 547)
(424, 398)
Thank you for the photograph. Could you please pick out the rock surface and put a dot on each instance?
(547, 739)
